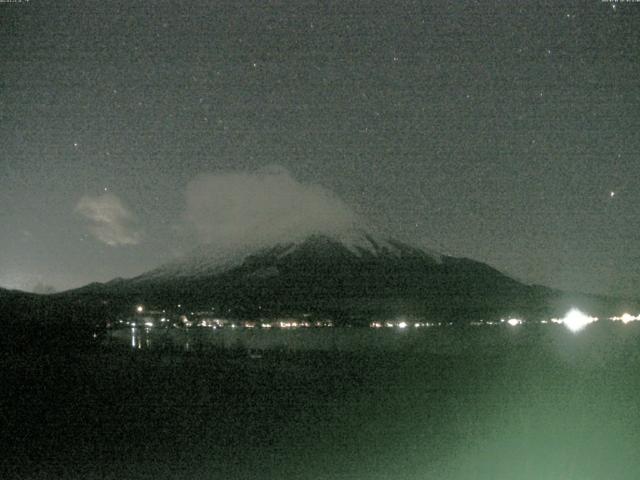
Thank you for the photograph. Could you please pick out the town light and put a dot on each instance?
(625, 318)
(575, 320)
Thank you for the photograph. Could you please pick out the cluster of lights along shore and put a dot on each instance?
(204, 319)
(574, 320)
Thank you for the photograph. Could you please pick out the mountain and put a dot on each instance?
(32, 322)
(354, 277)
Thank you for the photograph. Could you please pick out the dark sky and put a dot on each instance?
(496, 131)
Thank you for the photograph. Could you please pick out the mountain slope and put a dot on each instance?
(356, 276)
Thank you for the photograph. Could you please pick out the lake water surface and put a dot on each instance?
(529, 403)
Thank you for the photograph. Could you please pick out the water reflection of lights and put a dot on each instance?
(135, 338)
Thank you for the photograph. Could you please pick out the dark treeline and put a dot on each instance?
(36, 323)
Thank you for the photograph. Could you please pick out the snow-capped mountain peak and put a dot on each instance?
(358, 242)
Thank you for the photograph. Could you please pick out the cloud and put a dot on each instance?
(110, 221)
(261, 208)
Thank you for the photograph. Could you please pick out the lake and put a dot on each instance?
(528, 402)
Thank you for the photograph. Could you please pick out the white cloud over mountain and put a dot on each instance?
(109, 220)
(231, 209)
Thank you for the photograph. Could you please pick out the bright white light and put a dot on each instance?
(514, 321)
(575, 320)
(149, 324)
(139, 309)
(402, 325)
(626, 318)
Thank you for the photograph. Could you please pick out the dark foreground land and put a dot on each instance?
(532, 403)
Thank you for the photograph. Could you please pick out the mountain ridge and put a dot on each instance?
(343, 276)
(206, 260)
(352, 278)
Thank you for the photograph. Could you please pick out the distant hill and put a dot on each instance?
(44, 323)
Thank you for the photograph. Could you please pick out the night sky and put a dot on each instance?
(505, 132)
